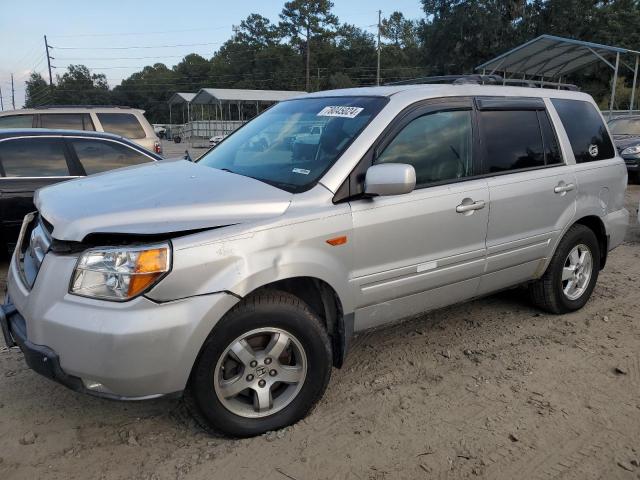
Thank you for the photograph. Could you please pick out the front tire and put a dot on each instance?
(263, 367)
(572, 273)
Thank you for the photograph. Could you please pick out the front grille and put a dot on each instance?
(34, 243)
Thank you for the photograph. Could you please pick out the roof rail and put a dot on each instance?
(45, 107)
(477, 79)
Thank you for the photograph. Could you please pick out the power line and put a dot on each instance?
(138, 46)
(120, 34)
(128, 58)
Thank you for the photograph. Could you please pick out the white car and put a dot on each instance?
(216, 139)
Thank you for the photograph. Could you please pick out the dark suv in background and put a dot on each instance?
(626, 135)
(34, 158)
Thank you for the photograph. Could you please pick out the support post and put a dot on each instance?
(13, 94)
(47, 47)
(633, 88)
(379, 32)
(613, 86)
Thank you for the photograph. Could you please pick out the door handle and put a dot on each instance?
(563, 188)
(469, 205)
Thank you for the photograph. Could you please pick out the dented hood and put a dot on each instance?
(157, 198)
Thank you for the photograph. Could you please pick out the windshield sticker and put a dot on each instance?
(303, 171)
(338, 111)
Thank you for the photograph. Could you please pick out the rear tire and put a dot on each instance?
(567, 283)
(243, 383)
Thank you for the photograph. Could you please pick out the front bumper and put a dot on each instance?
(39, 358)
(131, 350)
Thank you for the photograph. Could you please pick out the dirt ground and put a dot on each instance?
(489, 389)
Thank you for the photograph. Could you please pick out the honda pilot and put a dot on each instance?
(239, 280)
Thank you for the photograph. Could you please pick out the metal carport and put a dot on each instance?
(548, 57)
(181, 98)
(239, 97)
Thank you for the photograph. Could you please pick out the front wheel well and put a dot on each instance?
(323, 300)
(596, 225)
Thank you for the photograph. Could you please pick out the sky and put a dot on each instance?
(101, 34)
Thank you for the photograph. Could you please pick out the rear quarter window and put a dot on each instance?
(16, 121)
(587, 134)
(125, 124)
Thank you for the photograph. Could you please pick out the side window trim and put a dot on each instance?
(72, 159)
(545, 140)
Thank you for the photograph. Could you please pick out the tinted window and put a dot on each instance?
(585, 128)
(96, 156)
(124, 124)
(551, 150)
(295, 142)
(512, 139)
(438, 146)
(16, 121)
(66, 121)
(33, 157)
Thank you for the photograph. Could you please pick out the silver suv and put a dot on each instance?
(240, 280)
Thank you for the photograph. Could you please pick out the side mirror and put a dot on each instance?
(389, 179)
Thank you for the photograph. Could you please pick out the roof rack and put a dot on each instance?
(477, 79)
(45, 107)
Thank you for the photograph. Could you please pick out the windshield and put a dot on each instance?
(625, 126)
(295, 142)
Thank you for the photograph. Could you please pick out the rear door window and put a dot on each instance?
(33, 157)
(586, 131)
(66, 121)
(16, 121)
(513, 140)
(99, 156)
(125, 124)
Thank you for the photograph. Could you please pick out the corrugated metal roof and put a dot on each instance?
(550, 56)
(181, 97)
(216, 95)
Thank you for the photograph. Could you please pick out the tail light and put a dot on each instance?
(157, 147)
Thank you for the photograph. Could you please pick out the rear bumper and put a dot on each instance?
(616, 224)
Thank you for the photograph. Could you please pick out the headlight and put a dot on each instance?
(120, 273)
(631, 150)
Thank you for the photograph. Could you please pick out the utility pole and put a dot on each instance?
(47, 47)
(13, 94)
(379, 31)
(1, 101)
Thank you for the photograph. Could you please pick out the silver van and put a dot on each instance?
(239, 280)
(124, 121)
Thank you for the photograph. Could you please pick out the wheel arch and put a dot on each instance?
(596, 225)
(325, 302)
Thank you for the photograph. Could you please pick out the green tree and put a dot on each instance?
(303, 19)
(258, 32)
(400, 31)
(37, 92)
(78, 86)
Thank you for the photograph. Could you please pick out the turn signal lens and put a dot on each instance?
(337, 241)
(150, 266)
